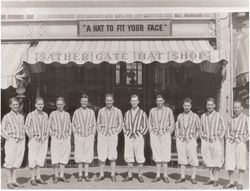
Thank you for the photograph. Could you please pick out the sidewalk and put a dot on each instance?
(71, 174)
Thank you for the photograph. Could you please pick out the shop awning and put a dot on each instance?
(12, 63)
(115, 51)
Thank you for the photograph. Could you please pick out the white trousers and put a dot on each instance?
(37, 153)
(60, 150)
(187, 152)
(161, 147)
(107, 147)
(14, 153)
(236, 156)
(134, 149)
(84, 148)
(212, 153)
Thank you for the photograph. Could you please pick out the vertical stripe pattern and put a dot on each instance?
(109, 122)
(59, 124)
(161, 122)
(238, 128)
(36, 126)
(13, 126)
(191, 129)
(138, 125)
(84, 122)
(212, 126)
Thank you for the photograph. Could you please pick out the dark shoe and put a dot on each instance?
(239, 187)
(216, 183)
(156, 179)
(17, 185)
(79, 179)
(40, 181)
(228, 186)
(55, 180)
(180, 180)
(165, 179)
(140, 178)
(128, 178)
(62, 179)
(99, 178)
(87, 179)
(208, 182)
(33, 183)
(193, 181)
(113, 178)
(10, 186)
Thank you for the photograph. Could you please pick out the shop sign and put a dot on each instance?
(115, 57)
(134, 28)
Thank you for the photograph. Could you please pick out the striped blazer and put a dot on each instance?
(59, 124)
(36, 126)
(109, 122)
(212, 126)
(133, 127)
(84, 122)
(238, 128)
(13, 126)
(191, 129)
(161, 122)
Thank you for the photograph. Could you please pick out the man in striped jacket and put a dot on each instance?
(36, 126)
(109, 125)
(60, 132)
(13, 131)
(212, 138)
(161, 126)
(135, 127)
(186, 132)
(236, 150)
(84, 128)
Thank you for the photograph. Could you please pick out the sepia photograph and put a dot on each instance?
(125, 94)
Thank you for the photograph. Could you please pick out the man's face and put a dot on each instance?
(39, 105)
(60, 105)
(14, 106)
(134, 102)
(84, 102)
(237, 108)
(109, 101)
(159, 102)
(210, 106)
(187, 107)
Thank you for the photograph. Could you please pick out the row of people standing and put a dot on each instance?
(188, 127)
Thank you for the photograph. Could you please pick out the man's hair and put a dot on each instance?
(84, 96)
(39, 99)
(211, 99)
(187, 99)
(60, 99)
(238, 101)
(134, 95)
(160, 96)
(109, 95)
(11, 100)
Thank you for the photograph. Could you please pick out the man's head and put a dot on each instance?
(237, 107)
(160, 101)
(187, 105)
(211, 104)
(134, 101)
(39, 104)
(14, 104)
(60, 103)
(109, 100)
(84, 100)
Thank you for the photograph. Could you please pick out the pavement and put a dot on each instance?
(72, 173)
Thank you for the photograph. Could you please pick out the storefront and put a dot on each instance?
(173, 56)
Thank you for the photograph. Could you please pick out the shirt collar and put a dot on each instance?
(13, 113)
(213, 112)
(36, 112)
